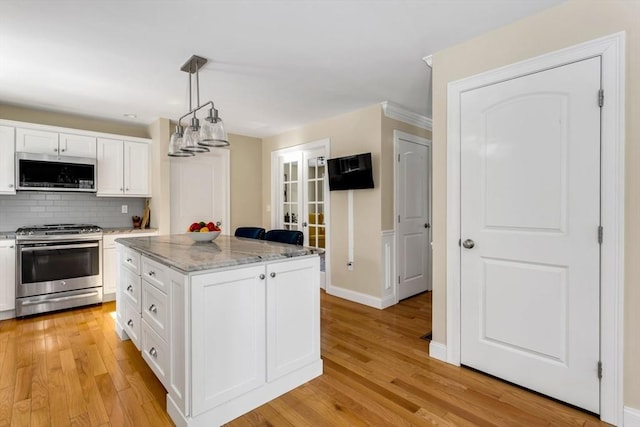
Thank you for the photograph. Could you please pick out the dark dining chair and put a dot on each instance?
(250, 232)
(292, 237)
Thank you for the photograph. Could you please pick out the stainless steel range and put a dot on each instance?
(58, 266)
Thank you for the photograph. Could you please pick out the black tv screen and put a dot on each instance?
(350, 172)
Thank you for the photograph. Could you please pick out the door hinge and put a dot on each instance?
(398, 158)
(398, 219)
(601, 97)
(600, 234)
(599, 370)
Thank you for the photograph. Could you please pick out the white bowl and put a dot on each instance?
(197, 236)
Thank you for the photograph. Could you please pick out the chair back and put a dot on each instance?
(250, 232)
(293, 237)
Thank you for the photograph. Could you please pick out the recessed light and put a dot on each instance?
(130, 115)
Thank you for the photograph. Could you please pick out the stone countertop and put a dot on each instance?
(127, 230)
(7, 235)
(182, 253)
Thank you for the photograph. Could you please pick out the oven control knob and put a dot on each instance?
(84, 230)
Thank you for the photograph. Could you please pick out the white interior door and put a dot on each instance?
(530, 212)
(413, 197)
(200, 190)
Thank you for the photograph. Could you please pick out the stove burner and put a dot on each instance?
(57, 230)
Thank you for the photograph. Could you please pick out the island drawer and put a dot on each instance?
(131, 260)
(132, 323)
(155, 309)
(155, 273)
(130, 287)
(155, 351)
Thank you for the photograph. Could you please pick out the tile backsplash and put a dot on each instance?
(34, 208)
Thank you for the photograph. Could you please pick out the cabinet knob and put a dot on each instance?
(55, 150)
(122, 189)
(63, 150)
(130, 323)
(153, 352)
(126, 189)
(273, 274)
(10, 185)
(129, 259)
(262, 276)
(153, 309)
(152, 273)
(130, 289)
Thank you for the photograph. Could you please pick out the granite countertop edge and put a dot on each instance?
(182, 247)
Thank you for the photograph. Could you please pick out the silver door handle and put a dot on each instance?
(60, 299)
(52, 247)
(304, 224)
(469, 244)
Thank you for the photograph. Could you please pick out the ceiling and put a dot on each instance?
(273, 65)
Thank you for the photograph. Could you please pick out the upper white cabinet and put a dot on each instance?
(53, 143)
(7, 160)
(123, 168)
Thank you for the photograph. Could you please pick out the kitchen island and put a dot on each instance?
(226, 326)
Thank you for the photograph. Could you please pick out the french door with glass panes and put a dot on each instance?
(301, 202)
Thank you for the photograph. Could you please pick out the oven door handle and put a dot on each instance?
(60, 299)
(50, 248)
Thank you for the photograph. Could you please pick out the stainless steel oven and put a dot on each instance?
(58, 266)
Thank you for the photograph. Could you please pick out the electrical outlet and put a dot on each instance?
(125, 208)
(350, 266)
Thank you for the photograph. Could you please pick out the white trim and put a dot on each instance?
(396, 112)
(358, 297)
(631, 417)
(438, 351)
(72, 131)
(428, 60)
(397, 136)
(388, 273)
(611, 49)
(350, 227)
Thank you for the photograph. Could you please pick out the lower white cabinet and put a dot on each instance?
(110, 261)
(7, 278)
(224, 342)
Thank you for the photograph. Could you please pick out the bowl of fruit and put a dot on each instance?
(204, 231)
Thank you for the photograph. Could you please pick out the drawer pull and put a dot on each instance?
(262, 276)
(153, 309)
(130, 323)
(153, 352)
(130, 289)
(129, 260)
(152, 273)
(273, 274)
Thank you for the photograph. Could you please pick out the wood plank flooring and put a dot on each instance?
(70, 368)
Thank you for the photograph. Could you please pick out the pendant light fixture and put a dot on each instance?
(195, 138)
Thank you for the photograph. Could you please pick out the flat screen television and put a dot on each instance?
(350, 172)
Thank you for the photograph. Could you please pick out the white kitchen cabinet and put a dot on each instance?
(55, 144)
(7, 160)
(123, 168)
(110, 261)
(7, 278)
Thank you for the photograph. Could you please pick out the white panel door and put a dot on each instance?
(200, 190)
(77, 145)
(136, 168)
(530, 204)
(413, 196)
(7, 275)
(37, 141)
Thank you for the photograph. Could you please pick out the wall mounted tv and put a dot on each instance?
(350, 172)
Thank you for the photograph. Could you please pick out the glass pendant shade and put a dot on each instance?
(192, 139)
(213, 133)
(175, 144)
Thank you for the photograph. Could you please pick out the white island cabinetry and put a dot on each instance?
(228, 339)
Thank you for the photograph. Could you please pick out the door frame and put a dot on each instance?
(612, 50)
(325, 145)
(397, 136)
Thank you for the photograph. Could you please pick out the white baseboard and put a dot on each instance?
(358, 297)
(438, 351)
(387, 301)
(9, 314)
(631, 417)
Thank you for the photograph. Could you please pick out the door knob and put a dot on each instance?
(427, 225)
(469, 244)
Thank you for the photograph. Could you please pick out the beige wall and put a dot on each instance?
(387, 174)
(30, 115)
(246, 173)
(159, 132)
(350, 133)
(570, 23)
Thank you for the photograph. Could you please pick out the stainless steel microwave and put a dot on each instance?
(41, 172)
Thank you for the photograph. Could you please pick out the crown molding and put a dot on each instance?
(396, 112)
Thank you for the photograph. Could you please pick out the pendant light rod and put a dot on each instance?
(195, 109)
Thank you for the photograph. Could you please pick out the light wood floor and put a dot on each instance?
(70, 368)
